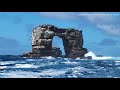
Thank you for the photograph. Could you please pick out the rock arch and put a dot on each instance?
(42, 37)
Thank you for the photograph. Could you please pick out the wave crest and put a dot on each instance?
(94, 57)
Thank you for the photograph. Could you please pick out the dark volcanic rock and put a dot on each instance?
(42, 37)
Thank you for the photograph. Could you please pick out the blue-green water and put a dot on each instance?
(12, 67)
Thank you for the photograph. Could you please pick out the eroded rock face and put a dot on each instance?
(42, 37)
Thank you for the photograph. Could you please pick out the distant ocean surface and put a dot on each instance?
(49, 67)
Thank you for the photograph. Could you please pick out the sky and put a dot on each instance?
(101, 30)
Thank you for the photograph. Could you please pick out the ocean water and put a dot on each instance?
(49, 67)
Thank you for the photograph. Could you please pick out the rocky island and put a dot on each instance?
(42, 37)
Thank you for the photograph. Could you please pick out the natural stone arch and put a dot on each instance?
(42, 37)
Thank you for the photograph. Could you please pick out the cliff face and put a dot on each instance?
(42, 37)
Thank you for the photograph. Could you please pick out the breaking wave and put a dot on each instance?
(94, 57)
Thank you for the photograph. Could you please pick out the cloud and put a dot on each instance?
(108, 42)
(60, 15)
(110, 29)
(107, 22)
(100, 17)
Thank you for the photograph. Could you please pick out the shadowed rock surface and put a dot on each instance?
(42, 37)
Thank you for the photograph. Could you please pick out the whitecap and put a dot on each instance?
(7, 62)
(52, 72)
(66, 59)
(48, 57)
(3, 67)
(70, 63)
(19, 74)
(78, 58)
(94, 57)
(48, 64)
(117, 61)
(116, 58)
(78, 72)
(26, 66)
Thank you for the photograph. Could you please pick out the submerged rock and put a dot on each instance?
(42, 37)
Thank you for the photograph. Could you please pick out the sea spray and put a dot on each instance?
(94, 57)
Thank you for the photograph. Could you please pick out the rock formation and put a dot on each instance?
(42, 37)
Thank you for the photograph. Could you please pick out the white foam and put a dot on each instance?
(26, 66)
(27, 74)
(70, 63)
(94, 57)
(24, 57)
(116, 58)
(48, 57)
(52, 72)
(20, 74)
(48, 64)
(117, 61)
(78, 71)
(31, 59)
(7, 62)
(78, 58)
(34, 66)
(3, 67)
(79, 68)
(66, 59)
(46, 73)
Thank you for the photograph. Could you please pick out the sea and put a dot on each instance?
(50, 67)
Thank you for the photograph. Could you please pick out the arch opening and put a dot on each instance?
(58, 42)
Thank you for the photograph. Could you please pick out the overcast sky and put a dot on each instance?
(101, 30)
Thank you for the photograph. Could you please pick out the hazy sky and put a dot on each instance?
(101, 30)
